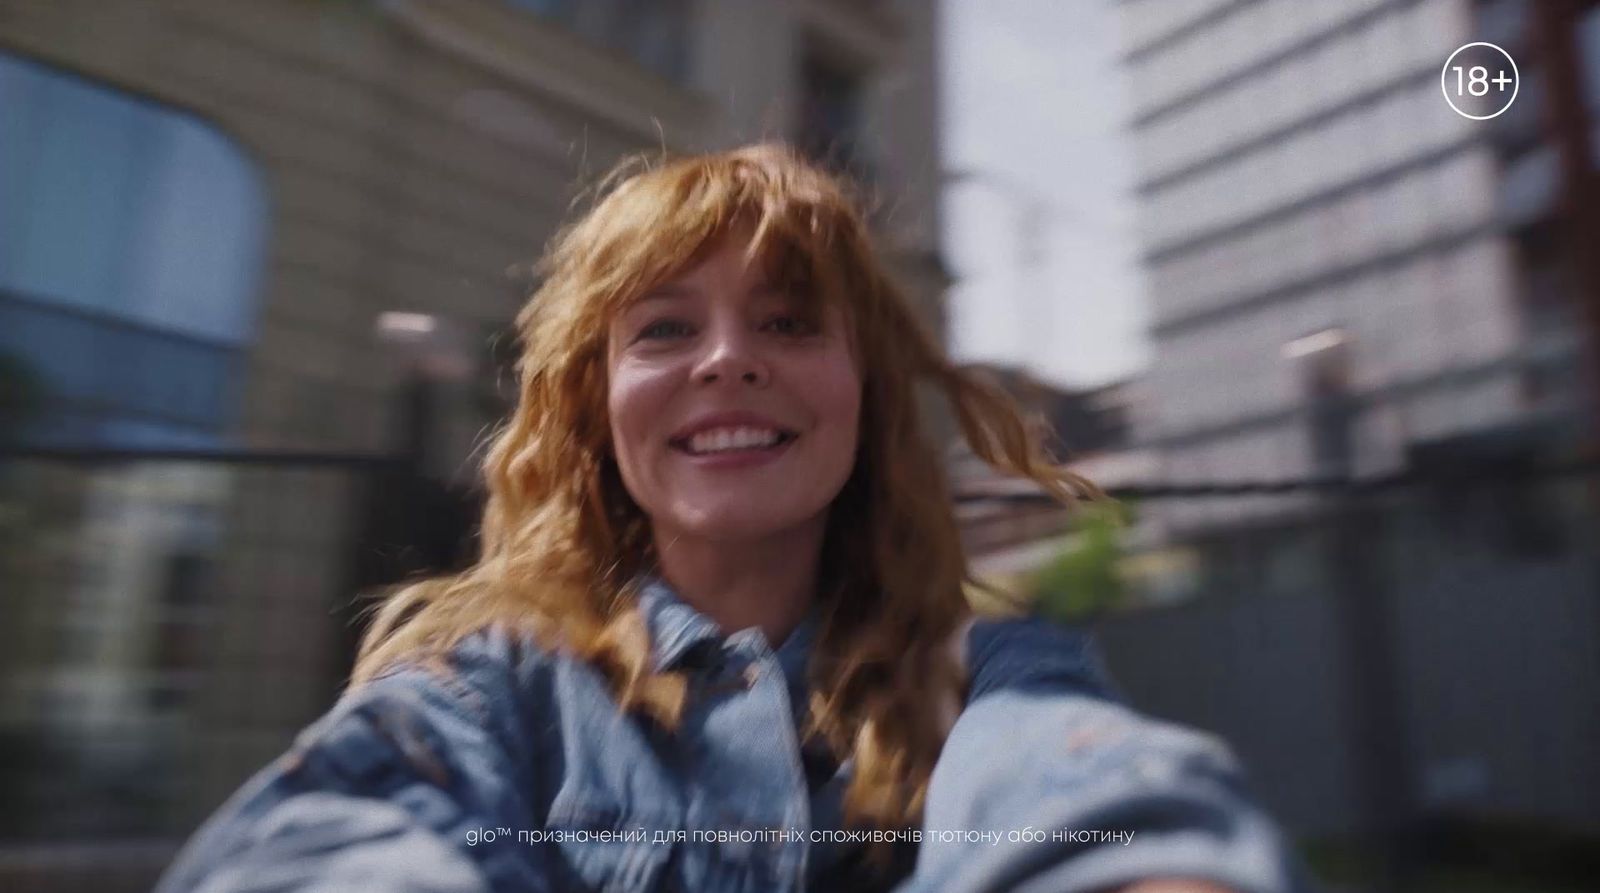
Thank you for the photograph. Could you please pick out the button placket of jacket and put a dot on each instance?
(762, 666)
(743, 664)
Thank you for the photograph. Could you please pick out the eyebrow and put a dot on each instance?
(655, 296)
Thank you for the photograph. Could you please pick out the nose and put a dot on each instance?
(731, 356)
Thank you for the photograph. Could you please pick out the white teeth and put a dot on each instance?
(732, 439)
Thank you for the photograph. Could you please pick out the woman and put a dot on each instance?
(716, 639)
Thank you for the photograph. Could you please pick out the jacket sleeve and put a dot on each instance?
(1049, 782)
(391, 790)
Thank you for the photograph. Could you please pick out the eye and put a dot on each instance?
(791, 325)
(664, 328)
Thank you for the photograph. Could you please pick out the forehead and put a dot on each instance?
(785, 267)
(721, 261)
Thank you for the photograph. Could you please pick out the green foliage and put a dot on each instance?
(1082, 582)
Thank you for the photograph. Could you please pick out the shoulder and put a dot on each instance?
(1031, 653)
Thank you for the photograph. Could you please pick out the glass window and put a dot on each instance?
(656, 33)
(829, 125)
(1589, 57)
(653, 33)
(131, 244)
(559, 10)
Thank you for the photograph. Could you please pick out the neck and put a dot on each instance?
(768, 583)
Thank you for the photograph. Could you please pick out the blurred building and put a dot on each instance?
(1348, 278)
(1344, 273)
(305, 225)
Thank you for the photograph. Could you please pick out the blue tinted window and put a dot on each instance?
(131, 241)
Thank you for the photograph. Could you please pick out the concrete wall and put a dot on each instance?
(1497, 669)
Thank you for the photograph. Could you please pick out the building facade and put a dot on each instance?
(1343, 271)
(1349, 279)
(302, 226)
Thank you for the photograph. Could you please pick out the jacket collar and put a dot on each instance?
(678, 631)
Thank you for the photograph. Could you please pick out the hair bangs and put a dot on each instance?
(660, 222)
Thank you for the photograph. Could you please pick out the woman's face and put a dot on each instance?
(731, 418)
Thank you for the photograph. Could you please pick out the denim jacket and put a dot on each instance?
(519, 773)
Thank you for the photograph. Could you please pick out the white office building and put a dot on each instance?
(1342, 269)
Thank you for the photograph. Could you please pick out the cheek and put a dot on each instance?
(634, 403)
(833, 390)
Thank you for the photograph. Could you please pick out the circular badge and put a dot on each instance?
(1479, 81)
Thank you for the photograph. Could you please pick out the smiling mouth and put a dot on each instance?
(725, 441)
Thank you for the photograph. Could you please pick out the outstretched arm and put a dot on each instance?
(382, 793)
(1101, 798)
(1174, 886)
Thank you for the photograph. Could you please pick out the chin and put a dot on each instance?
(745, 522)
